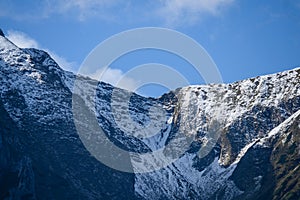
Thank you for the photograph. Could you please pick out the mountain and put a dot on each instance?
(245, 136)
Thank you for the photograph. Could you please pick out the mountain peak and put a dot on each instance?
(1, 33)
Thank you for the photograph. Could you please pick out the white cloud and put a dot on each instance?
(190, 11)
(170, 12)
(83, 8)
(21, 39)
(24, 41)
(63, 62)
(115, 77)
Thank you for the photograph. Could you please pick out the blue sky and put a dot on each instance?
(245, 38)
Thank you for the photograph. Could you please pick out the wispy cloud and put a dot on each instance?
(22, 40)
(115, 77)
(83, 9)
(170, 12)
(190, 11)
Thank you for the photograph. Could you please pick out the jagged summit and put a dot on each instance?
(1, 33)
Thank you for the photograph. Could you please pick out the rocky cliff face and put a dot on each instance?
(244, 112)
(42, 156)
(245, 136)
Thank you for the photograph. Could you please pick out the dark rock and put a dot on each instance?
(1, 33)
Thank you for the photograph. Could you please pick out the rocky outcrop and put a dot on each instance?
(1, 33)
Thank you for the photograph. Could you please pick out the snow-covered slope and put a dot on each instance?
(231, 125)
(244, 112)
(41, 154)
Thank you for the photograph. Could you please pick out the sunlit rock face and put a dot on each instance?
(245, 136)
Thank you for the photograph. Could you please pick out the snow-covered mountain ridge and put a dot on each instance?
(40, 147)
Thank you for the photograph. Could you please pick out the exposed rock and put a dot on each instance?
(1, 33)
